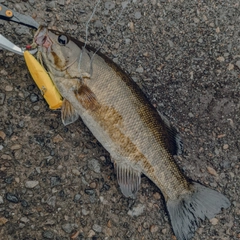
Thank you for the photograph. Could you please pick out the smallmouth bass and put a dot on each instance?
(123, 120)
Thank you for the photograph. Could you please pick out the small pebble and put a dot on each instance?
(136, 211)
(190, 115)
(16, 147)
(164, 231)
(61, 2)
(109, 5)
(6, 157)
(94, 165)
(238, 64)
(98, 24)
(24, 203)
(8, 88)
(137, 15)
(31, 184)
(34, 97)
(75, 235)
(3, 220)
(196, 20)
(230, 67)
(91, 233)
(2, 98)
(1, 200)
(85, 212)
(131, 26)
(212, 171)
(221, 59)
(2, 135)
(36, 108)
(76, 172)
(69, 227)
(214, 221)
(48, 234)
(225, 146)
(108, 232)
(140, 70)
(127, 40)
(57, 139)
(12, 197)
(89, 191)
(24, 219)
(153, 228)
(17, 179)
(157, 196)
(77, 197)
(52, 201)
(93, 185)
(97, 228)
(55, 181)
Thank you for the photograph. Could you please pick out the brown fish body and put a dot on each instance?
(119, 115)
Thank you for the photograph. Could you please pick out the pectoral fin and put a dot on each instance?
(68, 113)
(86, 97)
(129, 179)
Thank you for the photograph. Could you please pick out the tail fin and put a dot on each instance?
(187, 211)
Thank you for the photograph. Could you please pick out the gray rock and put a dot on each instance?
(77, 197)
(21, 30)
(69, 227)
(140, 70)
(171, 44)
(136, 211)
(55, 181)
(51, 5)
(61, 2)
(48, 234)
(109, 5)
(34, 97)
(137, 15)
(97, 228)
(98, 24)
(31, 184)
(32, 2)
(12, 197)
(238, 64)
(2, 98)
(52, 201)
(94, 165)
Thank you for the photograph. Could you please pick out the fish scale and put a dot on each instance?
(123, 120)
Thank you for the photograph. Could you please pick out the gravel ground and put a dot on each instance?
(58, 182)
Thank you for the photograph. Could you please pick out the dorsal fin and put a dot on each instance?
(174, 141)
(68, 113)
(128, 178)
(86, 97)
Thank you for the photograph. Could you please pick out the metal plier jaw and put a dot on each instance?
(10, 15)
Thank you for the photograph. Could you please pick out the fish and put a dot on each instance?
(120, 116)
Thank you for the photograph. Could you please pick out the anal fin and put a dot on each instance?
(128, 178)
(68, 113)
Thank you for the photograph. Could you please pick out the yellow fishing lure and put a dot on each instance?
(43, 81)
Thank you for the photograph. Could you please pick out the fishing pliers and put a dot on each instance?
(10, 15)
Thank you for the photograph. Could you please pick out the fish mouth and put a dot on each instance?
(42, 39)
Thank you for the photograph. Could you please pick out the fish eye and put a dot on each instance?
(62, 40)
